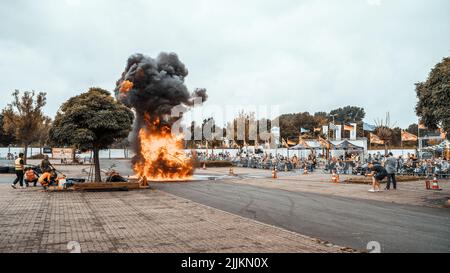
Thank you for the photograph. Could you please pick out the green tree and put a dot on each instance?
(348, 114)
(91, 120)
(290, 124)
(6, 138)
(433, 106)
(24, 117)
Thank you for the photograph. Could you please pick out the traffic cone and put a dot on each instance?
(435, 185)
(335, 177)
(204, 166)
(305, 171)
(231, 172)
(274, 174)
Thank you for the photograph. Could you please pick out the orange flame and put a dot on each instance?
(162, 155)
(126, 86)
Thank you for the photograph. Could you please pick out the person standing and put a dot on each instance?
(19, 167)
(378, 173)
(46, 166)
(391, 168)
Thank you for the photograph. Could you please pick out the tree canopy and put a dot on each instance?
(24, 117)
(348, 114)
(433, 106)
(6, 138)
(91, 120)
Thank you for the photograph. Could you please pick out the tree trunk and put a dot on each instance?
(73, 155)
(98, 177)
(25, 154)
(385, 149)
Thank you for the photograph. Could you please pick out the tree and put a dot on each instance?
(348, 114)
(413, 129)
(6, 138)
(384, 131)
(42, 134)
(290, 124)
(433, 106)
(24, 117)
(92, 120)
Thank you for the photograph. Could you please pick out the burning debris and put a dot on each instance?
(153, 87)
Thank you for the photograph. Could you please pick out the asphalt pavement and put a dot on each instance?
(342, 221)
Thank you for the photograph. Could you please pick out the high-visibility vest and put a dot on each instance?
(19, 167)
(30, 175)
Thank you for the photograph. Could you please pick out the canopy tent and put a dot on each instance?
(315, 145)
(299, 147)
(440, 147)
(346, 145)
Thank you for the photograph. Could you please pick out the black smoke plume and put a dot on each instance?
(152, 87)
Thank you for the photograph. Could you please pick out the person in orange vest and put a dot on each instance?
(31, 177)
(45, 179)
(18, 165)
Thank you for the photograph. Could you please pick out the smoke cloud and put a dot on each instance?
(152, 87)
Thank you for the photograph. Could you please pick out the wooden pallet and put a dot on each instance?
(106, 186)
(368, 180)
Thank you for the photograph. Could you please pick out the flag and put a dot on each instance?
(443, 134)
(348, 127)
(367, 127)
(317, 130)
(290, 142)
(303, 130)
(375, 139)
(324, 143)
(408, 136)
(284, 143)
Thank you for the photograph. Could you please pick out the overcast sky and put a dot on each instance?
(301, 55)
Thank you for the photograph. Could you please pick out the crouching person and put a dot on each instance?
(31, 177)
(45, 180)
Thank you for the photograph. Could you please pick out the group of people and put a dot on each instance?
(29, 175)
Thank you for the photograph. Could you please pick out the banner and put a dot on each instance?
(348, 127)
(374, 139)
(408, 136)
(62, 153)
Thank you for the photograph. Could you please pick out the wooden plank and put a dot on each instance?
(106, 186)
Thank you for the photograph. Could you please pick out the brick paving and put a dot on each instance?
(134, 221)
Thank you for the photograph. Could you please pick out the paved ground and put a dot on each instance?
(343, 221)
(135, 221)
(413, 192)
(408, 220)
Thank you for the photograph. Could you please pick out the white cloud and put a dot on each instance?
(304, 56)
(374, 2)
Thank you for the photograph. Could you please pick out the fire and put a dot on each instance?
(161, 154)
(126, 86)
